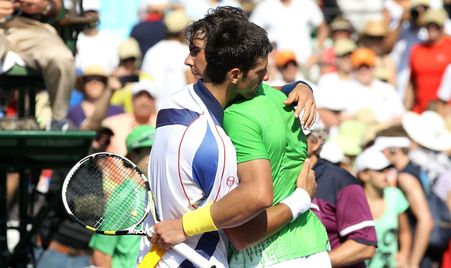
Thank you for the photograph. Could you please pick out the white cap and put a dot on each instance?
(144, 85)
(332, 152)
(372, 159)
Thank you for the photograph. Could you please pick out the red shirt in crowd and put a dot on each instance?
(427, 64)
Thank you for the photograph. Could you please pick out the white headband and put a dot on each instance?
(382, 143)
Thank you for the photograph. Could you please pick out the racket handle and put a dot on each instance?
(192, 255)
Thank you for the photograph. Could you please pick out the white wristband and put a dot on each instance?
(298, 202)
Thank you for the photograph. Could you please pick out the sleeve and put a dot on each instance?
(355, 221)
(104, 243)
(246, 136)
(444, 92)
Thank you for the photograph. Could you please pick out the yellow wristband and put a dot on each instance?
(198, 221)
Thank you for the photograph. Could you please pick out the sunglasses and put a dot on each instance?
(97, 78)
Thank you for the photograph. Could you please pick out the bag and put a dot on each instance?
(441, 233)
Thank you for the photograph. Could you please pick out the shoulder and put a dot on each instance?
(334, 174)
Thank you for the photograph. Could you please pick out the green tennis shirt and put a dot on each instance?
(264, 128)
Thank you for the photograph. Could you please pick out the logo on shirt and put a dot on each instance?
(230, 181)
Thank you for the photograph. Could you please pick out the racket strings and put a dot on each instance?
(107, 193)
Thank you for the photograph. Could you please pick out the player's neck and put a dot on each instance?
(219, 91)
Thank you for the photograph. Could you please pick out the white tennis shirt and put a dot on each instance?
(193, 162)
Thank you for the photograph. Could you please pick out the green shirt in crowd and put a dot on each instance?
(387, 229)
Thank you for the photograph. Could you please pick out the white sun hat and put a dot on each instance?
(428, 130)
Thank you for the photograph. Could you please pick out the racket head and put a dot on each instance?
(107, 193)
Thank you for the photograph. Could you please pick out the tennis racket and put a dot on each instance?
(108, 194)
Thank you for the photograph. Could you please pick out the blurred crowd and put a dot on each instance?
(381, 76)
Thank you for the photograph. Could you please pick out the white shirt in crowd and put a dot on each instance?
(289, 26)
(380, 97)
(164, 62)
(100, 49)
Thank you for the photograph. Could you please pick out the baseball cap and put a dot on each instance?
(363, 56)
(371, 159)
(285, 56)
(141, 136)
(176, 21)
(344, 46)
(374, 28)
(437, 16)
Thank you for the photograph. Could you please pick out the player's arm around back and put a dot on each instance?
(253, 195)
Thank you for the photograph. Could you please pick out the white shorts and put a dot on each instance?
(320, 260)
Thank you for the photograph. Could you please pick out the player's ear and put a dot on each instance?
(234, 75)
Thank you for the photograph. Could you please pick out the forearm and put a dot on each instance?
(101, 260)
(94, 121)
(422, 232)
(351, 252)
(405, 236)
(259, 228)
(239, 206)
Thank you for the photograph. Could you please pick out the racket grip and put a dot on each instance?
(192, 255)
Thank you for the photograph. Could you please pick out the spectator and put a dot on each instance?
(144, 113)
(402, 38)
(342, 207)
(431, 142)
(370, 93)
(428, 61)
(150, 30)
(97, 90)
(281, 30)
(373, 37)
(128, 72)
(122, 251)
(164, 62)
(334, 88)
(340, 29)
(288, 68)
(40, 47)
(388, 206)
(94, 46)
(412, 181)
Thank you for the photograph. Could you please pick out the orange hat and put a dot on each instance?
(285, 56)
(363, 56)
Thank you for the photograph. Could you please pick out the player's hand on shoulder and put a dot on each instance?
(302, 97)
(168, 233)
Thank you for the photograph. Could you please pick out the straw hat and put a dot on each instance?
(176, 21)
(435, 16)
(374, 28)
(428, 130)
